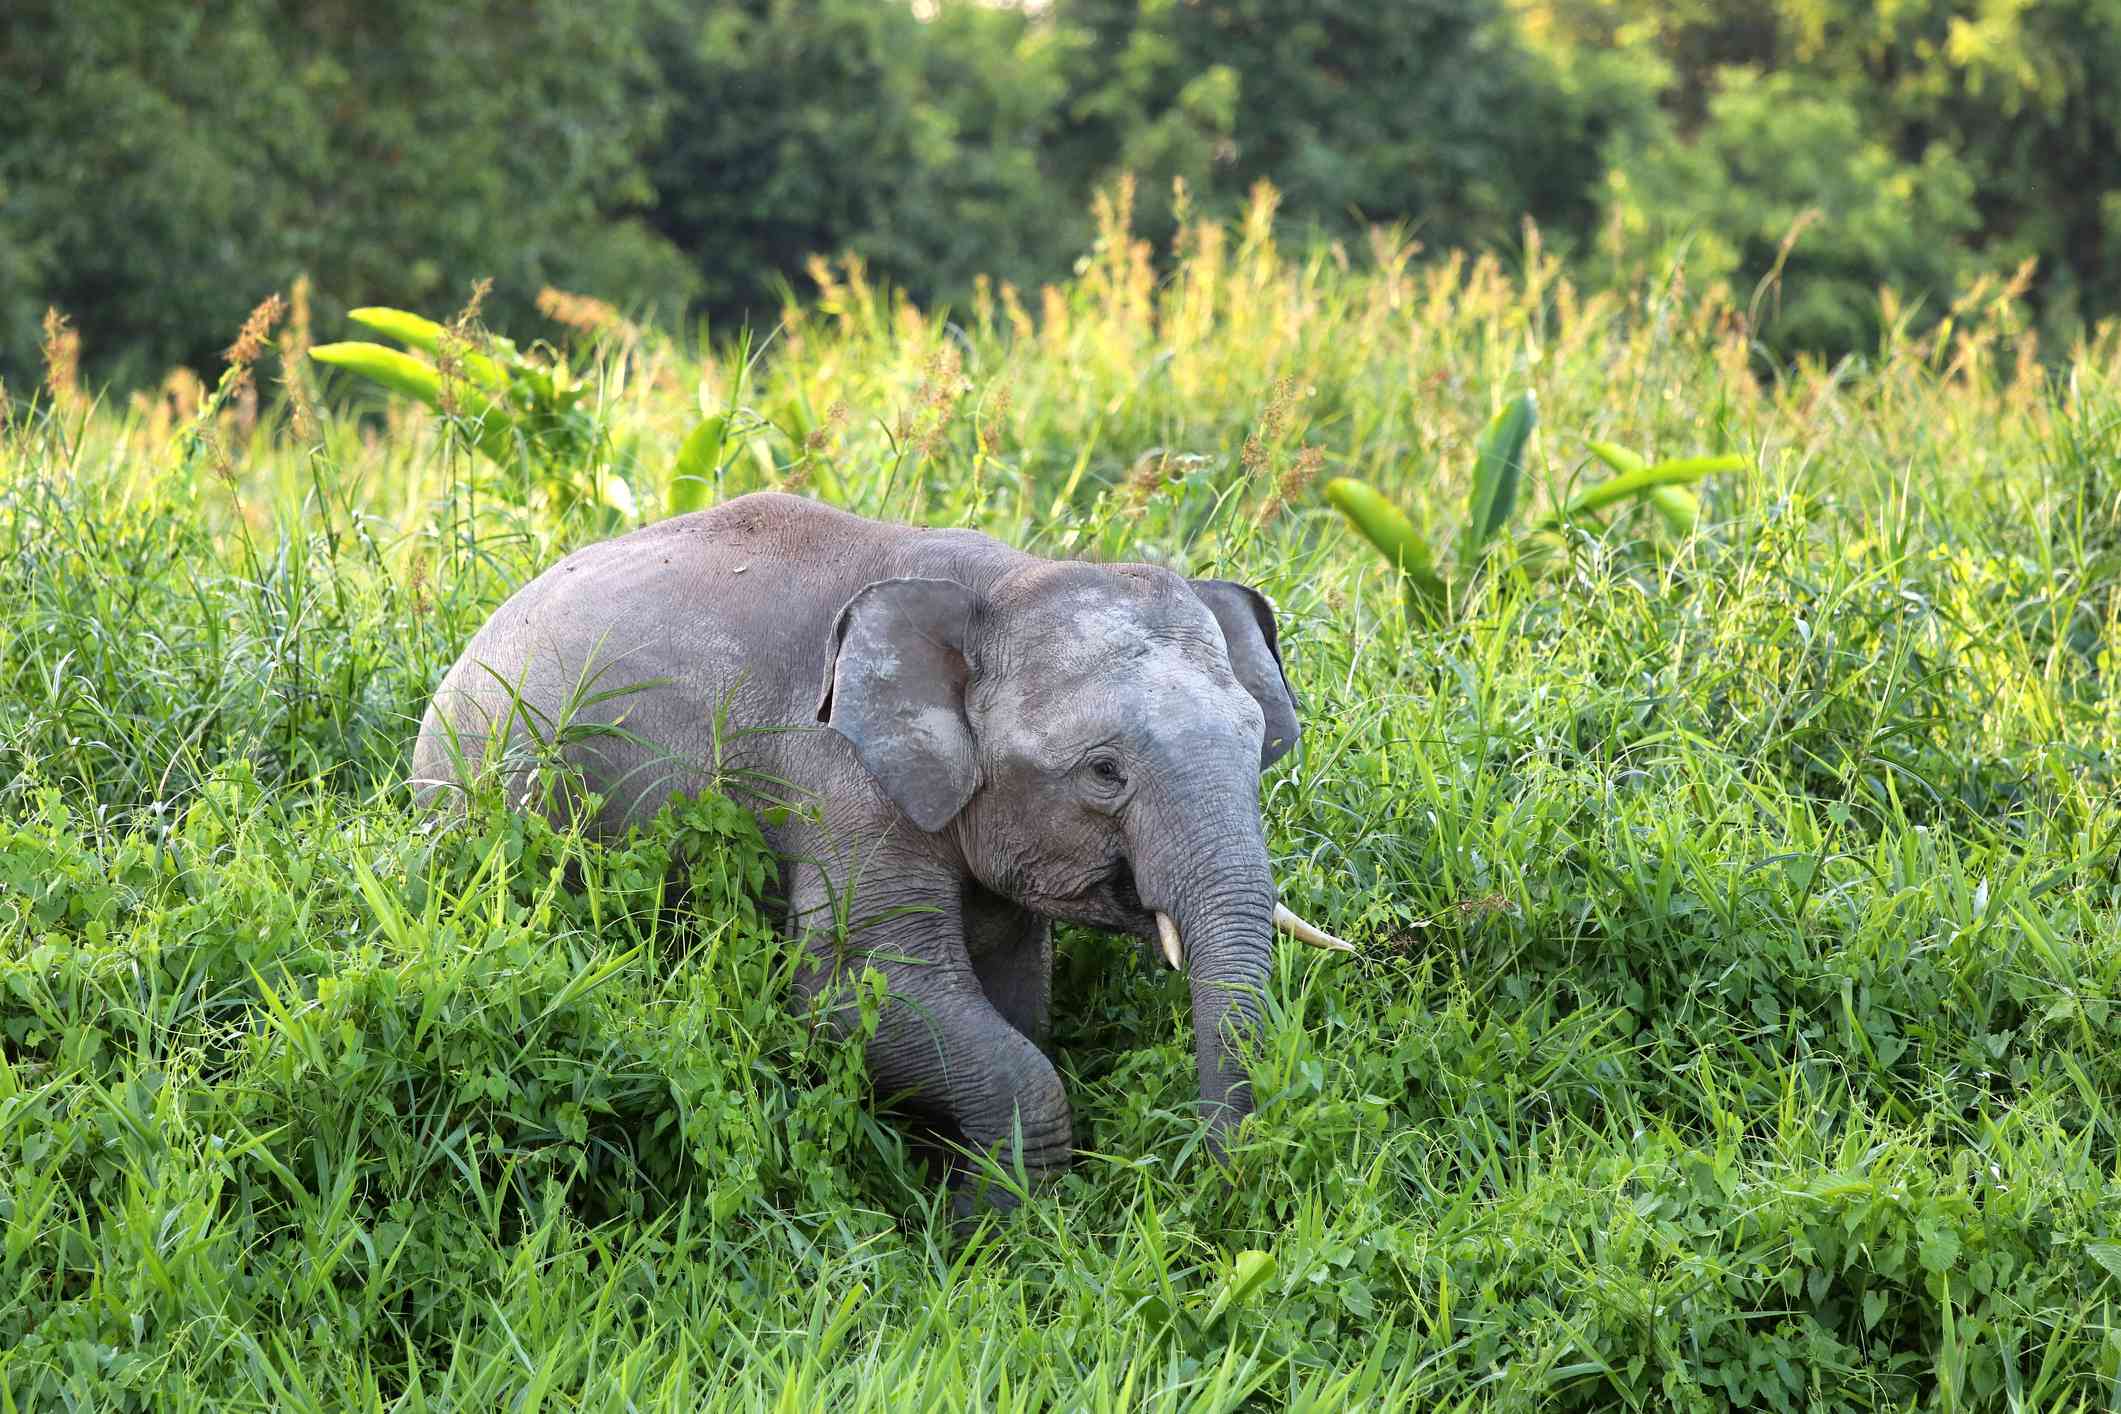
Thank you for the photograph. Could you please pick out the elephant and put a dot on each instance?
(985, 741)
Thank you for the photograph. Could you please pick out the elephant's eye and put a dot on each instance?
(1107, 771)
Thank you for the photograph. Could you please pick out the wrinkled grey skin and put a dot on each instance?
(990, 740)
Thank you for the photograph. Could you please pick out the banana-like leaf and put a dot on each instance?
(1387, 527)
(1498, 470)
(493, 429)
(1617, 457)
(397, 371)
(426, 335)
(1660, 483)
(1680, 508)
(692, 474)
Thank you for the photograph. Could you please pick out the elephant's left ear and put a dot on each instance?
(1247, 621)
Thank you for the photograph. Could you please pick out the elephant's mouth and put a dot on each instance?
(1119, 889)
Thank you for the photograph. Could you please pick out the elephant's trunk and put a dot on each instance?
(1216, 911)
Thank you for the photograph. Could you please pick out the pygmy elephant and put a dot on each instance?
(1006, 740)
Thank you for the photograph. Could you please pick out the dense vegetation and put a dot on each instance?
(1736, 1024)
(164, 163)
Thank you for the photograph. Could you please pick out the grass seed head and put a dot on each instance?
(62, 359)
(257, 328)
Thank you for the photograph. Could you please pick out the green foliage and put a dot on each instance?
(164, 165)
(1783, 159)
(1663, 485)
(517, 410)
(1387, 527)
(1929, 135)
(1498, 468)
(361, 1073)
(1498, 471)
(1738, 1023)
(1432, 113)
(815, 127)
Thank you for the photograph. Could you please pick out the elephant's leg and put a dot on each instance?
(940, 1043)
(1012, 952)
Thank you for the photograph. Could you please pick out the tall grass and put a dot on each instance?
(1739, 1020)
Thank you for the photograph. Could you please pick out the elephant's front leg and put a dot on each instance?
(940, 1043)
(1012, 951)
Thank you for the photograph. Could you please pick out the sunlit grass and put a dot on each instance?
(1738, 1020)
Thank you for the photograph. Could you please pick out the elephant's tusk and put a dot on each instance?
(1295, 927)
(1167, 934)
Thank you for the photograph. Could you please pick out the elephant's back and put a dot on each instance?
(714, 621)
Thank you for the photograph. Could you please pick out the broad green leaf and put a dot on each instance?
(409, 328)
(692, 474)
(1252, 1270)
(1619, 458)
(1648, 480)
(426, 335)
(400, 324)
(1498, 469)
(402, 373)
(1680, 508)
(1387, 527)
(399, 372)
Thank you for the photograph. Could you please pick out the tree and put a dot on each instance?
(1934, 138)
(1429, 111)
(813, 127)
(166, 163)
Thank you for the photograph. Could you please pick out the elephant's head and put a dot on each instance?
(1090, 739)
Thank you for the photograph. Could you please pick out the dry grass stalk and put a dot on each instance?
(294, 360)
(460, 336)
(1295, 482)
(586, 314)
(255, 334)
(1268, 429)
(1013, 310)
(935, 400)
(62, 360)
(1149, 473)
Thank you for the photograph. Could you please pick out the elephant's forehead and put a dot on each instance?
(1085, 622)
(1077, 693)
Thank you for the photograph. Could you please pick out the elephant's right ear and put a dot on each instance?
(895, 688)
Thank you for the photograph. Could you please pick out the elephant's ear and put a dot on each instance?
(895, 688)
(1247, 621)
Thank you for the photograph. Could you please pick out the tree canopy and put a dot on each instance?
(164, 164)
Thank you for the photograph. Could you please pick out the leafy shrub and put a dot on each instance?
(813, 128)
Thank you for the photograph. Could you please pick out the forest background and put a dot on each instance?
(165, 163)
